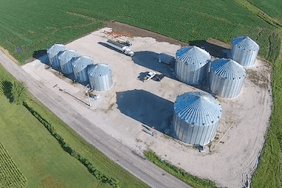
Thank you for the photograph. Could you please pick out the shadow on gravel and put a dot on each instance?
(145, 107)
(214, 50)
(150, 60)
(42, 56)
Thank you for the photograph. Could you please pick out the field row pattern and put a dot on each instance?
(10, 174)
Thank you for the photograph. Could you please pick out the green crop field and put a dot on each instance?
(40, 157)
(271, 7)
(10, 174)
(32, 25)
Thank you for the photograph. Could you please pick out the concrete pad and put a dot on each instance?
(229, 160)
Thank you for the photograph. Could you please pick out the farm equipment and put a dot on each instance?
(148, 129)
(120, 47)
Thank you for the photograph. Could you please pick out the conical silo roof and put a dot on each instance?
(193, 55)
(99, 70)
(67, 55)
(228, 69)
(197, 108)
(245, 43)
(55, 49)
(82, 62)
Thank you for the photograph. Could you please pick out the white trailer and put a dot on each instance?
(120, 47)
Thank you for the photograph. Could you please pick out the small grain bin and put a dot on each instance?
(53, 52)
(100, 77)
(244, 51)
(226, 78)
(66, 59)
(196, 116)
(80, 68)
(190, 65)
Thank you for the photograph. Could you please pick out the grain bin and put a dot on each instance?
(66, 58)
(226, 78)
(244, 51)
(196, 116)
(100, 77)
(80, 68)
(190, 64)
(53, 52)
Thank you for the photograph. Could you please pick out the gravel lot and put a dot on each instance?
(229, 160)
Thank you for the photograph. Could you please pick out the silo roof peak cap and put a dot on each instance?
(199, 108)
(228, 69)
(245, 42)
(55, 49)
(193, 55)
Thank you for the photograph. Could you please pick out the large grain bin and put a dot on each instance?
(226, 78)
(196, 116)
(53, 52)
(100, 77)
(80, 68)
(244, 51)
(190, 64)
(66, 59)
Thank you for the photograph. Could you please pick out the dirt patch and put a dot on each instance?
(258, 78)
(128, 30)
(51, 183)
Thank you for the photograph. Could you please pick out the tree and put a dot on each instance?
(18, 92)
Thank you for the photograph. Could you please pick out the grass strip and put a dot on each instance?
(187, 178)
(272, 21)
(269, 171)
(94, 171)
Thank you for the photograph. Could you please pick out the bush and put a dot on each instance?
(18, 92)
(99, 175)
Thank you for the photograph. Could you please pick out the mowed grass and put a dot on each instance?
(40, 157)
(37, 154)
(10, 175)
(272, 7)
(96, 157)
(34, 25)
(269, 171)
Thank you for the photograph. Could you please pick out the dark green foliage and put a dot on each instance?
(18, 92)
(7, 89)
(15, 91)
(178, 173)
(99, 175)
(269, 171)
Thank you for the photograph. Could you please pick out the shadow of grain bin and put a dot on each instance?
(150, 60)
(213, 49)
(145, 107)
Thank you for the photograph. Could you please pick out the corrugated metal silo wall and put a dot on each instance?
(193, 134)
(80, 75)
(55, 62)
(102, 83)
(66, 67)
(187, 74)
(225, 88)
(243, 57)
